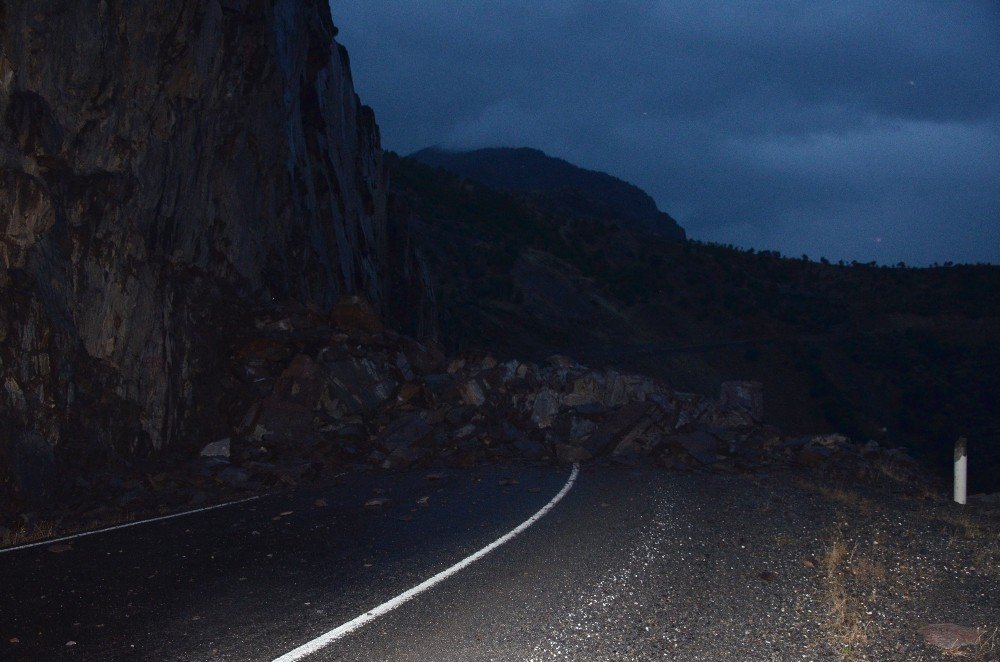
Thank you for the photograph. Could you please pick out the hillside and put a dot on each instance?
(904, 356)
(557, 186)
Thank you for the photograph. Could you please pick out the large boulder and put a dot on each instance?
(748, 396)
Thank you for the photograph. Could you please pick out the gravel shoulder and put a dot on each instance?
(707, 566)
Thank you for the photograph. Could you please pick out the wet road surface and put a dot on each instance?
(629, 565)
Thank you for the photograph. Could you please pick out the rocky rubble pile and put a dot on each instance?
(310, 397)
(368, 397)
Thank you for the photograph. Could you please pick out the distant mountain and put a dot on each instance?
(903, 356)
(557, 185)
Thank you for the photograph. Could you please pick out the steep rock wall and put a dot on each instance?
(165, 165)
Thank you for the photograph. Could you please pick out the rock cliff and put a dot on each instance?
(165, 167)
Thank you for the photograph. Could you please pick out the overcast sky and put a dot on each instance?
(851, 129)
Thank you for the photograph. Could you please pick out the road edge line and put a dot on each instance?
(52, 541)
(328, 638)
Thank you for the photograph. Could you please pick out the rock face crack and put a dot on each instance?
(164, 167)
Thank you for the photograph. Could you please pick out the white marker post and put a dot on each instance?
(961, 469)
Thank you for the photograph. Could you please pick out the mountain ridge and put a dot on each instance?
(556, 184)
(899, 355)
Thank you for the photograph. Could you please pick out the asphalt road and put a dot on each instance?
(629, 565)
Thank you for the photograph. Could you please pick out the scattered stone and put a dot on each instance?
(509, 371)
(356, 313)
(215, 463)
(197, 497)
(700, 445)
(402, 458)
(561, 361)
(691, 409)
(811, 456)
(258, 434)
(377, 502)
(531, 450)
(408, 392)
(403, 364)
(949, 636)
(591, 410)
(404, 432)
(545, 408)
(748, 396)
(581, 428)
(219, 448)
(568, 454)
(460, 415)
(423, 357)
(611, 431)
(356, 387)
(316, 400)
(234, 476)
(871, 449)
(472, 393)
(717, 416)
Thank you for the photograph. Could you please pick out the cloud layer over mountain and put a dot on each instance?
(852, 129)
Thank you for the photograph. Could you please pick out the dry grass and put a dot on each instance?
(869, 571)
(24, 535)
(855, 581)
(987, 558)
(785, 540)
(977, 535)
(835, 555)
(895, 473)
(867, 576)
(846, 497)
(839, 495)
(846, 622)
(988, 646)
(986, 649)
(42, 530)
(964, 525)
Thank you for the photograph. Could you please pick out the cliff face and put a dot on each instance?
(165, 166)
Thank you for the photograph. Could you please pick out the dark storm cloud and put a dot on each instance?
(850, 129)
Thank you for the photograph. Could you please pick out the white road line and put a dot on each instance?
(52, 541)
(325, 640)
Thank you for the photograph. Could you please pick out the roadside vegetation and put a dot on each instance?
(904, 356)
